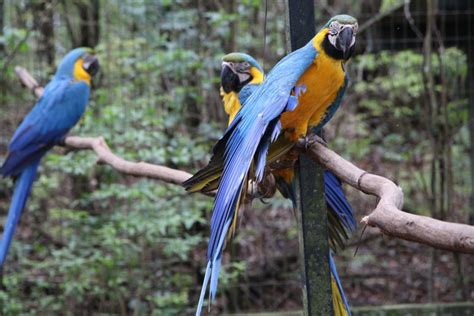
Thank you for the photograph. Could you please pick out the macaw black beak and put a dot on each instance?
(229, 79)
(91, 65)
(344, 41)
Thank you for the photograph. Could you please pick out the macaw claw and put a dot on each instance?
(320, 140)
(309, 140)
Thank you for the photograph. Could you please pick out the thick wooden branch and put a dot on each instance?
(28, 81)
(137, 169)
(387, 216)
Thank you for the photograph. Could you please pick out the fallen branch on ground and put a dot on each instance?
(387, 216)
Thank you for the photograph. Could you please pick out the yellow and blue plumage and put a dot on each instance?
(56, 112)
(302, 91)
(236, 72)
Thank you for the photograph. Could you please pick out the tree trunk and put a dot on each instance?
(44, 25)
(89, 23)
(2, 52)
(2, 47)
(85, 32)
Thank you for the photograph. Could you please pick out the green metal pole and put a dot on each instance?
(470, 94)
(312, 213)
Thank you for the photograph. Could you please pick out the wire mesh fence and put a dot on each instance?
(162, 58)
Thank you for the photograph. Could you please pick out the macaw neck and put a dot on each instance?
(322, 44)
(76, 73)
(66, 67)
(80, 73)
(257, 76)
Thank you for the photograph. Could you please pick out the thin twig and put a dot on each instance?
(411, 21)
(12, 54)
(374, 19)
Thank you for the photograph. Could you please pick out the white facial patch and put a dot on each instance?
(332, 39)
(335, 28)
(243, 76)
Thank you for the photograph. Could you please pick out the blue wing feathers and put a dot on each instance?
(248, 138)
(246, 92)
(59, 109)
(242, 139)
(262, 150)
(18, 160)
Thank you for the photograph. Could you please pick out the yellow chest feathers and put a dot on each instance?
(323, 80)
(231, 104)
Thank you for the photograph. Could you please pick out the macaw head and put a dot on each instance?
(341, 35)
(78, 64)
(239, 69)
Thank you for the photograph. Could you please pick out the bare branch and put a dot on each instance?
(387, 216)
(28, 81)
(137, 169)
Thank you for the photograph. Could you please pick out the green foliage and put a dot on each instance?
(93, 241)
(392, 122)
(104, 242)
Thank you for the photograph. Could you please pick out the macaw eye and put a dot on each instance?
(335, 27)
(355, 27)
(243, 66)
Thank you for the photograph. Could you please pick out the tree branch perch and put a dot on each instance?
(137, 169)
(387, 216)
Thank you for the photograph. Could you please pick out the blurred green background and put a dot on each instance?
(92, 241)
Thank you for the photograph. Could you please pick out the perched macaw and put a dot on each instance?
(56, 112)
(240, 76)
(302, 91)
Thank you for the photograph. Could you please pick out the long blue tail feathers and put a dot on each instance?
(20, 196)
(340, 207)
(337, 203)
(332, 267)
(212, 274)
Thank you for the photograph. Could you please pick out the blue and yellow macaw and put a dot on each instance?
(240, 76)
(302, 91)
(56, 112)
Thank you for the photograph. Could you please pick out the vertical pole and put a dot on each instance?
(312, 213)
(470, 94)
